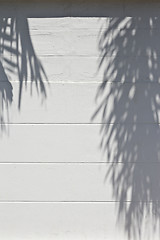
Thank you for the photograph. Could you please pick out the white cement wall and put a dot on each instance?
(80, 115)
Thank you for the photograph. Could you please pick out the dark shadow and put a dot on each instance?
(128, 103)
(18, 55)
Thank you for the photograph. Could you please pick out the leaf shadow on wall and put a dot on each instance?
(18, 58)
(128, 104)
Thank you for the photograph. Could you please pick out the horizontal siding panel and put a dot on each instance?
(57, 69)
(81, 143)
(91, 23)
(57, 143)
(75, 103)
(136, 42)
(117, 41)
(86, 43)
(60, 69)
(82, 221)
(94, 23)
(78, 42)
(52, 182)
(131, 21)
(136, 182)
(59, 221)
(88, 69)
(65, 103)
(49, 24)
(68, 23)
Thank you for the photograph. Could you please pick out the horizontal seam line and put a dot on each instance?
(36, 201)
(77, 163)
(87, 124)
(85, 82)
(53, 162)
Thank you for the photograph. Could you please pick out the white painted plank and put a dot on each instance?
(88, 69)
(129, 21)
(114, 69)
(54, 24)
(78, 42)
(52, 182)
(86, 43)
(115, 42)
(81, 143)
(88, 23)
(136, 182)
(82, 221)
(58, 41)
(136, 42)
(92, 23)
(61, 69)
(67, 23)
(77, 103)
(64, 104)
(57, 143)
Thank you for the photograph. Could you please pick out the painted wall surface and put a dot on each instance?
(79, 117)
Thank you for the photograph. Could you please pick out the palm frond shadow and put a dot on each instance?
(128, 102)
(18, 56)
